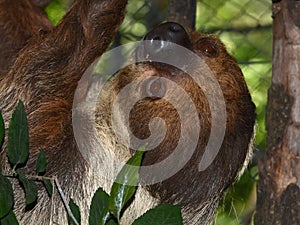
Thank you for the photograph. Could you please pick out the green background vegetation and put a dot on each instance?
(246, 29)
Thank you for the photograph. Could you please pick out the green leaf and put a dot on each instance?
(99, 212)
(9, 219)
(111, 222)
(124, 187)
(49, 187)
(6, 196)
(161, 215)
(18, 137)
(76, 213)
(2, 129)
(30, 188)
(41, 162)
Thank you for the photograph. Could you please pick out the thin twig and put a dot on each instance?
(63, 197)
(39, 178)
(52, 205)
(60, 191)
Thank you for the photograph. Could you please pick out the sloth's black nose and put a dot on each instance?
(171, 32)
(160, 41)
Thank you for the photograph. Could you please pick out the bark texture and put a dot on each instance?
(182, 12)
(279, 184)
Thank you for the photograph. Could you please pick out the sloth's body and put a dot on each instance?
(197, 192)
(45, 75)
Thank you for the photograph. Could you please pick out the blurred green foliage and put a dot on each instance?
(57, 9)
(245, 27)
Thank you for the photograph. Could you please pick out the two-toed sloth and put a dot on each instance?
(42, 65)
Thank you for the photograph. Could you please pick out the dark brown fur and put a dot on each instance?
(43, 68)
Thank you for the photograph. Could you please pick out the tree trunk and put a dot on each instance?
(182, 12)
(279, 185)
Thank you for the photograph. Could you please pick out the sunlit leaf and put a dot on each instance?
(124, 187)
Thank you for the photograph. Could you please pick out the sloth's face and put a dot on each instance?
(178, 93)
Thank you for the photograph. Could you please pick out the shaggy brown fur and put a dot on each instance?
(41, 66)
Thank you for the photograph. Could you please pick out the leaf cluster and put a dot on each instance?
(18, 152)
